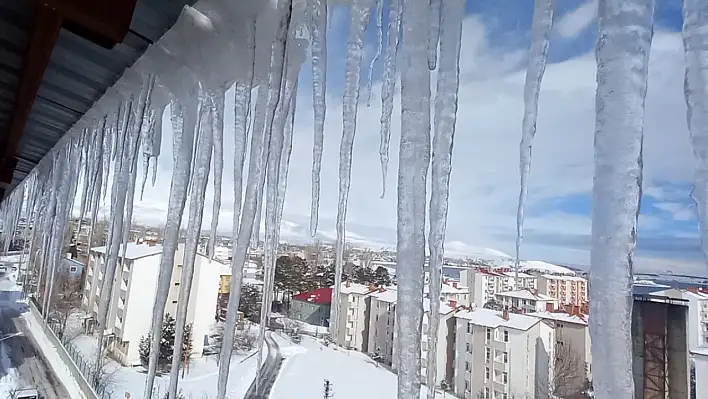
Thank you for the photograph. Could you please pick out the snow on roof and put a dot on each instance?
(527, 294)
(696, 295)
(560, 316)
(701, 351)
(354, 288)
(493, 319)
(449, 289)
(563, 277)
(545, 266)
(388, 295)
(319, 296)
(134, 251)
(445, 308)
(521, 274)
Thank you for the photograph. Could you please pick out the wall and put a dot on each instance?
(381, 327)
(701, 362)
(137, 320)
(203, 297)
(88, 392)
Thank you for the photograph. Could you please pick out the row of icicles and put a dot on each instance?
(125, 126)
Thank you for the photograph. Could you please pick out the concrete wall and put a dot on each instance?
(66, 359)
(701, 362)
(677, 356)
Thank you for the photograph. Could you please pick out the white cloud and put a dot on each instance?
(576, 21)
(484, 181)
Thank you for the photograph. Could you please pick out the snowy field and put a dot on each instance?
(200, 382)
(353, 375)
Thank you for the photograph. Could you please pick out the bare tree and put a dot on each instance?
(367, 258)
(66, 302)
(104, 379)
(313, 253)
(568, 380)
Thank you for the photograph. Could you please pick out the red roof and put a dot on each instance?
(320, 296)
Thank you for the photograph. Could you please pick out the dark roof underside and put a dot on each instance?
(78, 74)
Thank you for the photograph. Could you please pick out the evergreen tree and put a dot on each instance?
(167, 341)
(144, 349)
(381, 277)
(187, 343)
(250, 303)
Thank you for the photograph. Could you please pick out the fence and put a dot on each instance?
(96, 376)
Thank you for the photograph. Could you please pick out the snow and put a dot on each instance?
(539, 265)
(135, 251)
(9, 380)
(493, 319)
(307, 365)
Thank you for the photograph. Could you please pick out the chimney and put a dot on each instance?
(346, 284)
(693, 289)
(453, 303)
(505, 314)
(382, 289)
(549, 307)
(151, 243)
(454, 284)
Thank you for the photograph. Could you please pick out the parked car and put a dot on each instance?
(26, 393)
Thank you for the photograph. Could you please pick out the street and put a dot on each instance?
(18, 353)
(260, 388)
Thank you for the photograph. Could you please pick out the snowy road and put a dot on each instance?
(261, 388)
(21, 364)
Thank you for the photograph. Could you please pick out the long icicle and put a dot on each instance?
(318, 50)
(184, 122)
(360, 14)
(217, 120)
(388, 86)
(433, 33)
(695, 19)
(448, 84)
(540, 34)
(379, 46)
(624, 41)
(194, 227)
(260, 141)
(414, 159)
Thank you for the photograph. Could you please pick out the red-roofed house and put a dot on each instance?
(312, 307)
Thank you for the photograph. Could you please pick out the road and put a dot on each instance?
(260, 388)
(18, 352)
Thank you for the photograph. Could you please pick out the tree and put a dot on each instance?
(167, 344)
(144, 349)
(66, 302)
(250, 303)
(493, 305)
(569, 377)
(381, 277)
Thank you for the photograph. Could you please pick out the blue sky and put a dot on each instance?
(484, 182)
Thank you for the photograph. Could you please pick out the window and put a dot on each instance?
(469, 328)
(506, 357)
(174, 301)
(486, 393)
(504, 377)
(469, 348)
(506, 336)
(487, 354)
(489, 334)
(72, 269)
(176, 284)
(179, 265)
(486, 374)
(504, 396)
(467, 386)
(467, 366)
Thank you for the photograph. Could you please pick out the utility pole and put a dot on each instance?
(328, 390)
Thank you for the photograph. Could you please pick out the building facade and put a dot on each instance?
(312, 307)
(502, 355)
(133, 293)
(353, 324)
(526, 301)
(568, 290)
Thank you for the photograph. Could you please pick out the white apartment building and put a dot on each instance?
(569, 290)
(527, 301)
(484, 284)
(353, 323)
(502, 355)
(133, 294)
(700, 361)
(697, 319)
(452, 291)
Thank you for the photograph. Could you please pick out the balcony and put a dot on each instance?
(500, 365)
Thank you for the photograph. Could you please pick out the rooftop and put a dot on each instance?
(493, 319)
(319, 296)
(355, 288)
(563, 277)
(561, 316)
(527, 294)
(701, 351)
(134, 251)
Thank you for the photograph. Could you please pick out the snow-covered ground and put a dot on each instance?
(199, 382)
(353, 375)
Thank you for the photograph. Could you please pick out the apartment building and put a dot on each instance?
(452, 291)
(572, 360)
(133, 294)
(569, 290)
(700, 363)
(526, 301)
(697, 318)
(382, 325)
(484, 284)
(502, 355)
(353, 324)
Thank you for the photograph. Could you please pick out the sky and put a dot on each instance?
(484, 183)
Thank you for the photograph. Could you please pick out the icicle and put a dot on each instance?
(414, 158)
(359, 20)
(452, 13)
(259, 125)
(107, 137)
(388, 86)
(625, 32)
(540, 33)
(379, 46)
(160, 99)
(318, 48)
(218, 132)
(194, 226)
(59, 169)
(184, 118)
(695, 19)
(256, 176)
(433, 33)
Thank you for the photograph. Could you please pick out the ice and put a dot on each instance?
(695, 40)
(318, 50)
(218, 131)
(379, 45)
(107, 150)
(194, 226)
(540, 33)
(434, 33)
(360, 15)
(414, 158)
(259, 119)
(49, 242)
(388, 86)
(184, 119)
(625, 32)
(448, 82)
